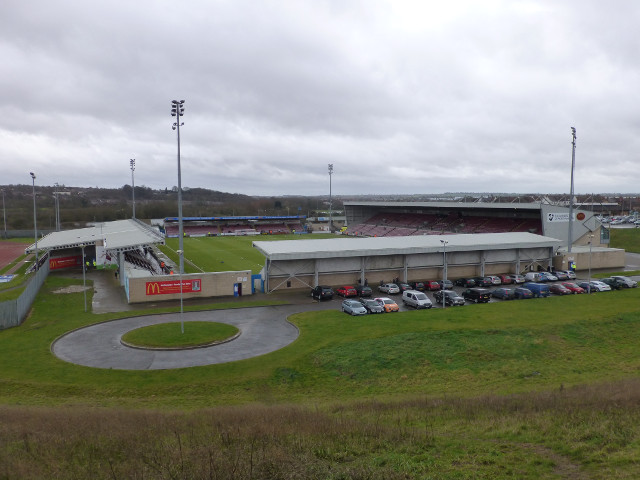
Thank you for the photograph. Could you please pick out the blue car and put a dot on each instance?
(503, 293)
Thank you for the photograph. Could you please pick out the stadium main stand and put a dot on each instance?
(214, 226)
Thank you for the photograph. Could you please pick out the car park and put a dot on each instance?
(595, 286)
(626, 281)
(520, 293)
(502, 293)
(388, 304)
(417, 286)
(450, 297)
(390, 288)
(353, 307)
(506, 279)
(517, 278)
(347, 291)
(322, 292)
(416, 299)
(477, 295)
(538, 289)
(559, 289)
(363, 290)
(371, 305)
(573, 287)
(465, 282)
(432, 285)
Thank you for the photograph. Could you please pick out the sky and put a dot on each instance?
(400, 96)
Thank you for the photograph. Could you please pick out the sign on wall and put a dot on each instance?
(171, 287)
(65, 262)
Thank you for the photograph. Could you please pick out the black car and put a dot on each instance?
(322, 292)
(371, 305)
(404, 287)
(503, 293)
(477, 295)
(483, 282)
(417, 286)
(363, 290)
(450, 298)
(465, 282)
(613, 282)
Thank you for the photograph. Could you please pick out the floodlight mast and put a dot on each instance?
(177, 110)
(573, 166)
(35, 226)
(330, 202)
(132, 163)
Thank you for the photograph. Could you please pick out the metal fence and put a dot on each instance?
(13, 312)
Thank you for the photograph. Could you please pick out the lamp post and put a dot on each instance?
(35, 226)
(590, 243)
(4, 214)
(177, 110)
(330, 204)
(181, 253)
(57, 207)
(132, 163)
(84, 280)
(444, 269)
(573, 166)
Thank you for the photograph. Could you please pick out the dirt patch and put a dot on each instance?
(71, 289)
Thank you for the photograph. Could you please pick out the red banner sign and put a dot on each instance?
(65, 262)
(170, 287)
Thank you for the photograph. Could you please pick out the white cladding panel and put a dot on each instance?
(424, 260)
(385, 262)
(343, 264)
(463, 258)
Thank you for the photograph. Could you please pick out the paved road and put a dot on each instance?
(263, 330)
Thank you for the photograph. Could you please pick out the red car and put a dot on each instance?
(506, 279)
(560, 289)
(573, 287)
(347, 291)
(432, 285)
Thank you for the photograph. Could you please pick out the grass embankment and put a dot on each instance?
(626, 238)
(175, 335)
(222, 254)
(532, 389)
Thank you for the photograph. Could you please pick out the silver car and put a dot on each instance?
(390, 288)
(626, 281)
(353, 307)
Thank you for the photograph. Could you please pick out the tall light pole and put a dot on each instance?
(573, 166)
(35, 225)
(57, 207)
(4, 214)
(181, 254)
(590, 243)
(132, 163)
(177, 110)
(330, 203)
(444, 269)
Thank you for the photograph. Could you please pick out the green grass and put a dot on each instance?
(221, 254)
(171, 335)
(626, 238)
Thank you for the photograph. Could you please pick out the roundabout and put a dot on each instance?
(262, 330)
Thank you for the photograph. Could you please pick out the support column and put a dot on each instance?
(363, 261)
(406, 269)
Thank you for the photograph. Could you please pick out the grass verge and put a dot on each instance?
(171, 335)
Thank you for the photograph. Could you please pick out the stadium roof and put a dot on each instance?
(370, 246)
(459, 205)
(118, 235)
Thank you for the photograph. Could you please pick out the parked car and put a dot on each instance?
(322, 292)
(573, 287)
(533, 277)
(520, 293)
(390, 288)
(595, 286)
(549, 277)
(506, 279)
(503, 293)
(495, 280)
(347, 291)
(571, 274)
(614, 283)
(417, 286)
(517, 278)
(432, 285)
(364, 290)
(371, 305)
(626, 281)
(416, 299)
(388, 304)
(561, 274)
(445, 284)
(559, 289)
(451, 298)
(477, 295)
(465, 282)
(404, 287)
(483, 282)
(538, 289)
(353, 307)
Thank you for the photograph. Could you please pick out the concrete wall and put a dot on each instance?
(154, 288)
(600, 258)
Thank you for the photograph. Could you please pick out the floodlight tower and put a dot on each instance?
(132, 163)
(330, 203)
(177, 110)
(35, 226)
(444, 270)
(4, 214)
(573, 166)
(57, 206)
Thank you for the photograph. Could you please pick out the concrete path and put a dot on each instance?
(262, 330)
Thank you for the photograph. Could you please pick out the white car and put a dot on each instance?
(549, 276)
(495, 280)
(390, 288)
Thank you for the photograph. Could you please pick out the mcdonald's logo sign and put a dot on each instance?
(153, 288)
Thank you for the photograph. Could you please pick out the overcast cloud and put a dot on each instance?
(400, 96)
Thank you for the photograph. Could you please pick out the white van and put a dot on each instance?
(534, 277)
(416, 299)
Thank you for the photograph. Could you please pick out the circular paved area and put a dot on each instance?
(262, 330)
